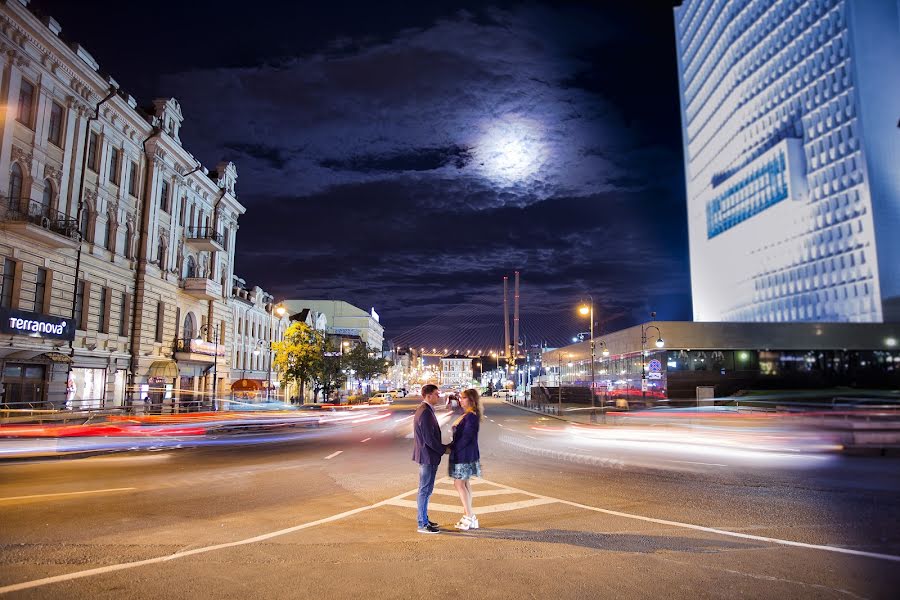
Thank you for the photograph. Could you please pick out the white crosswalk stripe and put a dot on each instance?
(442, 488)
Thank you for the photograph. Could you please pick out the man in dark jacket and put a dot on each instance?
(428, 452)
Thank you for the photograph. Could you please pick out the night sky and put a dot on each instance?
(407, 156)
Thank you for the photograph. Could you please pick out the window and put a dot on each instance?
(164, 196)
(92, 152)
(26, 103)
(110, 242)
(80, 315)
(47, 198)
(225, 234)
(124, 311)
(182, 211)
(15, 182)
(129, 241)
(160, 315)
(103, 321)
(41, 298)
(114, 157)
(86, 233)
(132, 180)
(54, 134)
(9, 282)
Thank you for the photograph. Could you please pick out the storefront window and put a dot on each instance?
(86, 388)
(23, 386)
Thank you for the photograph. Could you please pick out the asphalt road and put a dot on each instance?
(332, 515)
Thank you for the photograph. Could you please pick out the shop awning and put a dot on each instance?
(245, 385)
(57, 357)
(166, 369)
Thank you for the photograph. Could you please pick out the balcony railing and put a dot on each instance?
(26, 210)
(206, 237)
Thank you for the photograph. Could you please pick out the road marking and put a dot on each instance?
(481, 510)
(161, 559)
(330, 456)
(365, 440)
(475, 494)
(58, 494)
(691, 462)
(724, 532)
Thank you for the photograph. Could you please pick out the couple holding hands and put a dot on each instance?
(463, 449)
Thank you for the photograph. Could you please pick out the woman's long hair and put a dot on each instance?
(474, 399)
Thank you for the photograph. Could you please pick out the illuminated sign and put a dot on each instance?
(20, 322)
(655, 366)
(204, 347)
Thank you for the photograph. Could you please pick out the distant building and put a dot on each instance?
(344, 320)
(256, 326)
(792, 158)
(456, 370)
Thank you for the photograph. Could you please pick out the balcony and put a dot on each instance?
(202, 288)
(205, 238)
(31, 219)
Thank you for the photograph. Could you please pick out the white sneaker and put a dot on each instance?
(463, 523)
(473, 522)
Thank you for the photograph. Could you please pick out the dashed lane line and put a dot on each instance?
(365, 440)
(330, 456)
(59, 494)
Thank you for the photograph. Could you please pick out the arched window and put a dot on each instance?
(47, 198)
(188, 332)
(15, 183)
(191, 269)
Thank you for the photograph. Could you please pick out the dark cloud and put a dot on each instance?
(421, 159)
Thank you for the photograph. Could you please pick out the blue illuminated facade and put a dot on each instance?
(792, 158)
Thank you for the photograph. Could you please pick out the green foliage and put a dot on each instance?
(300, 357)
(365, 363)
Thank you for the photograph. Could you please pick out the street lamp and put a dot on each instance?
(659, 344)
(588, 311)
(280, 311)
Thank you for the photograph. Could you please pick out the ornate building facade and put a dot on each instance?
(116, 244)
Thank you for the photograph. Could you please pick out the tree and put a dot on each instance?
(364, 363)
(299, 356)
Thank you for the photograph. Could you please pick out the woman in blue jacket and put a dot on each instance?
(464, 454)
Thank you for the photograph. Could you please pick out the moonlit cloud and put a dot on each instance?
(411, 171)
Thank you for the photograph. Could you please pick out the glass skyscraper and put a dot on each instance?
(790, 113)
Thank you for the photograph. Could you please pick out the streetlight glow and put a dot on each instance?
(660, 343)
(584, 310)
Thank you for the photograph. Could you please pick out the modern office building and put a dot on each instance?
(726, 357)
(790, 114)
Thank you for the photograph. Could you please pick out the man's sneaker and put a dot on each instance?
(428, 529)
(463, 523)
(432, 523)
(473, 522)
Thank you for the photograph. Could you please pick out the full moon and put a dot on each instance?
(511, 150)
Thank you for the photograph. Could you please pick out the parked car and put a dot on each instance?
(504, 394)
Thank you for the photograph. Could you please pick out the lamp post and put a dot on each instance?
(588, 310)
(276, 310)
(659, 344)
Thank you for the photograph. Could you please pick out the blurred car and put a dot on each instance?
(381, 398)
(504, 394)
(401, 393)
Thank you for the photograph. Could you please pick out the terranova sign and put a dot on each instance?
(20, 322)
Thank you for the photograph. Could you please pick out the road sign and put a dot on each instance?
(655, 366)
(654, 375)
(643, 385)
